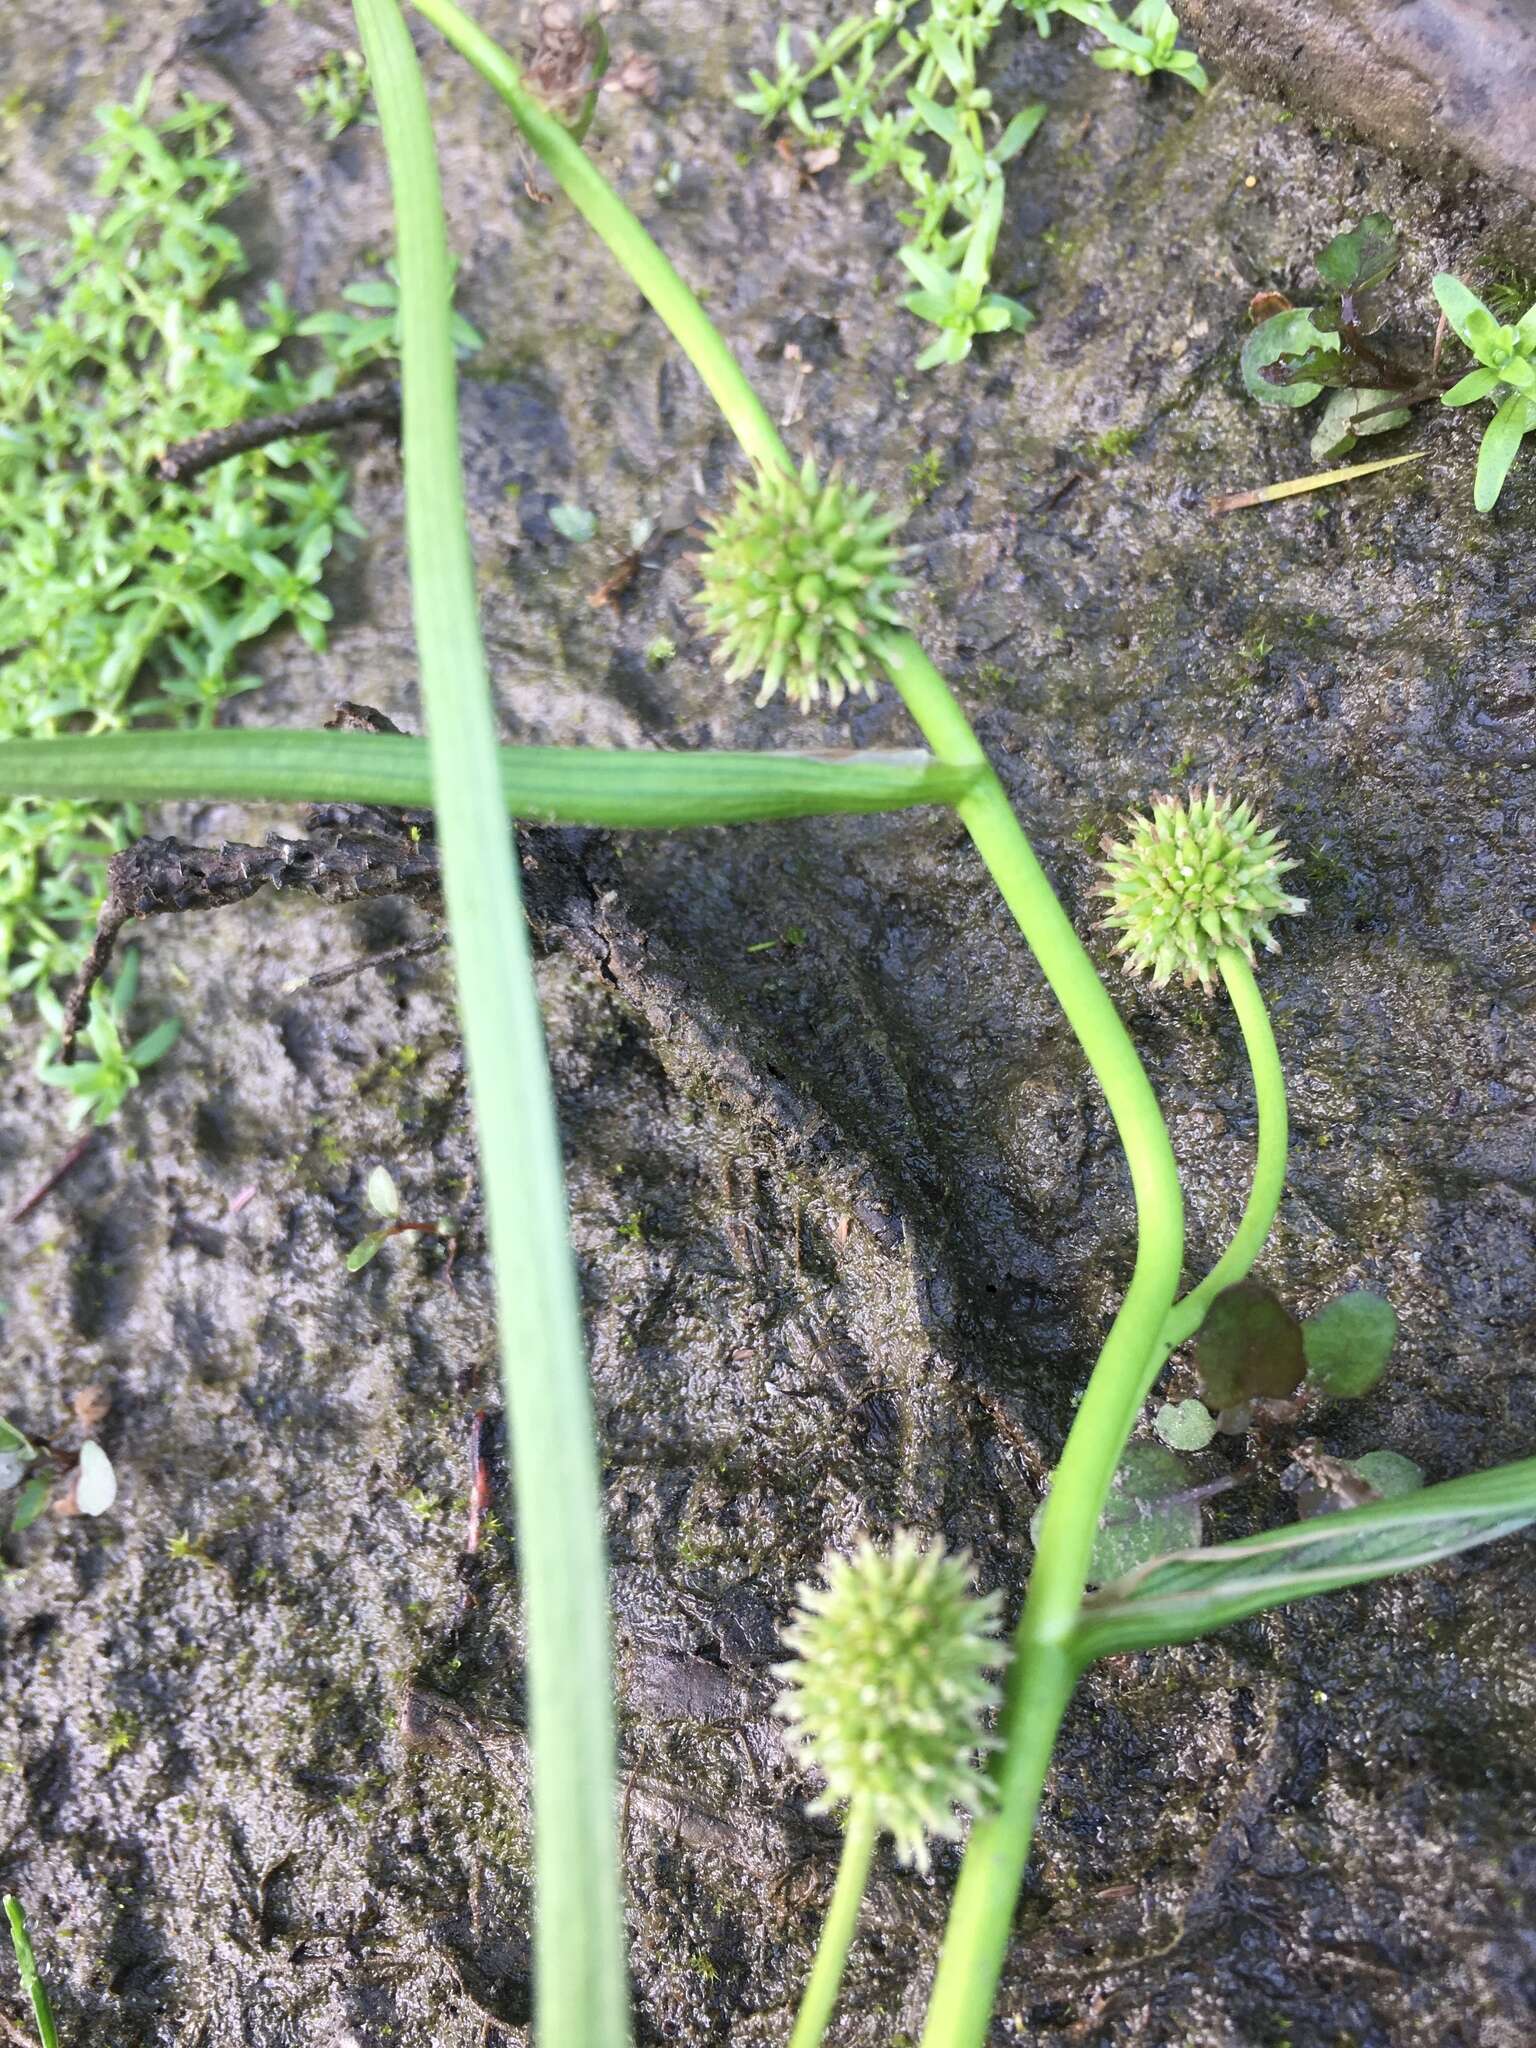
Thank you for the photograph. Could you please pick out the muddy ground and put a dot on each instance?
(849, 1212)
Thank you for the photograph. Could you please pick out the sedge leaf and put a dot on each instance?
(621, 788)
(1176, 1599)
(580, 1988)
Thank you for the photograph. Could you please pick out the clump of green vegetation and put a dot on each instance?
(1295, 353)
(1147, 41)
(904, 81)
(130, 600)
(337, 93)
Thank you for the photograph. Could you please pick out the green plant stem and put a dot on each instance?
(1045, 1670)
(26, 1968)
(618, 788)
(837, 1929)
(580, 1991)
(1259, 1211)
(603, 210)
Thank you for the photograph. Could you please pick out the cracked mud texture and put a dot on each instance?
(850, 1215)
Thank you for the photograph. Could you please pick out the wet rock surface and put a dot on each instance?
(849, 1211)
(1446, 82)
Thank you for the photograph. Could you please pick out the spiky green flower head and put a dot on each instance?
(1190, 879)
(796, 576)
(887, 1687)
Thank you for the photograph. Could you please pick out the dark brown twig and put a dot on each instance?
(184, 460)
(414, 949)
(46, 1186)
(479, 1481)
(156, 876)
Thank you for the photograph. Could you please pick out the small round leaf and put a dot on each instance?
(1184, 1425)
(1388, 1473)
(1348, 1343)
(1249, 1346)
(1149, 1512)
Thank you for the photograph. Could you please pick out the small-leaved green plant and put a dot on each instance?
(903, 80)
(127, 600)
(1506, 366)
(337, 94)
(1295, 353)
(101, 1085)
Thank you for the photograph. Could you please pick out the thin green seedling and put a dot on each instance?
(31, 1980)
(383, 1200)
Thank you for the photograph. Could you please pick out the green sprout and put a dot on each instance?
(26, 1967)
(101, 1086)
(337, 93)
(1189, 880)
(1146, 41)
(796, 577)
(1505, 358)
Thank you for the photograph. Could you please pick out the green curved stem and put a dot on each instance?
(1044, 1669)
(605, 212)
(1258, 1217)
(837, 1929)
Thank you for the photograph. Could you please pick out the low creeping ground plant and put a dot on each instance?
(903, 80)
(337, 94)
(580, 1990)
(130, 601)
(1295, 353)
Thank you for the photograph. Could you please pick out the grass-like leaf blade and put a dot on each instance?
(31, 1980)
(1189, 1593)
(617, 788)
(580, 1989)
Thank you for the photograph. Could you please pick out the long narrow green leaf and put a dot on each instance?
(1187, 1594)
(26, 1966)
(543, 785)
(581, 1998)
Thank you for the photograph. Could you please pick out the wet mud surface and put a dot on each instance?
(849, 1211)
